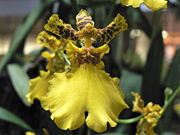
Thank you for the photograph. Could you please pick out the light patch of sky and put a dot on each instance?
(173, 1)
(17, 7)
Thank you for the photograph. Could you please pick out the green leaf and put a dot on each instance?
(153, 68)
(173, 75)
(169, 133)
(10, 117)
(20, 81)
(130, 82)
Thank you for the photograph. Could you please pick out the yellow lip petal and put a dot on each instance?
(88, 89)
(38, 87)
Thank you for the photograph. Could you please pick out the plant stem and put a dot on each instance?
(169, 101)
(129, 121)
(81, 44)
(65, 57)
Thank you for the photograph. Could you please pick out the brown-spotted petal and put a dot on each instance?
(83, 18)
(56, 26)
(106, 34)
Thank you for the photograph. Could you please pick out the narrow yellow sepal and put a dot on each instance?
(113, 29)
(56, 26)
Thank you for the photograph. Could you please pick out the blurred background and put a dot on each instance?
(146, 57)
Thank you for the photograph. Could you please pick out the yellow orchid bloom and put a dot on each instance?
(152, 4)
(85, 93)
(150, 113)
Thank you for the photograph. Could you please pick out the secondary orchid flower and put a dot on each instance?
(150, 113)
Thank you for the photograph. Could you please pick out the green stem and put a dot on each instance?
(169, 101)
(65, 57)
(81, 44)
(129, 121)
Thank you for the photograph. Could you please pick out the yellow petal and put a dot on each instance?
(88, 89)
(83, 18)
(156, 4)
(38, 86)
(55, 61)
(134, 3)
(138, 103)
(152, 4)
(85, 54)
(51, 42)
(46, 54)
(56, 26)
(30, 133)
(106, 34)
(144, 128)
(102, 50)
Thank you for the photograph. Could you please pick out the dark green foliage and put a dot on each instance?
(152, 71)
(10, 117)
(172, 79)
